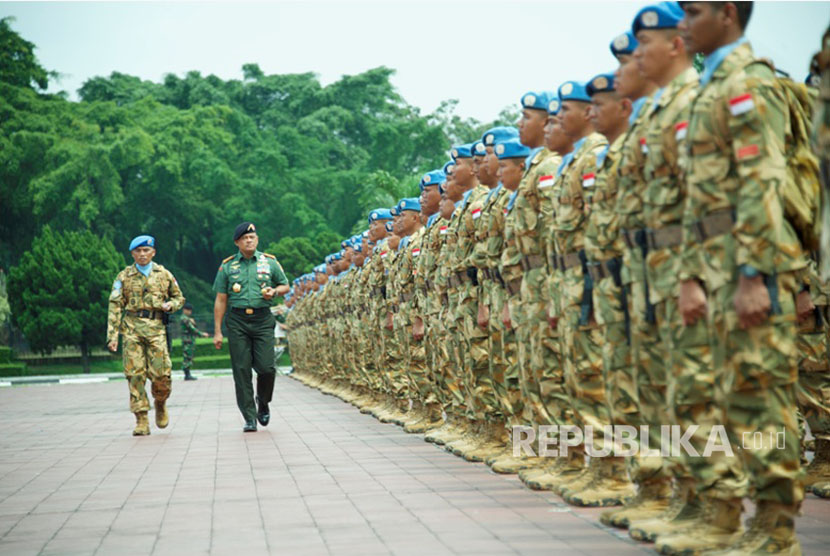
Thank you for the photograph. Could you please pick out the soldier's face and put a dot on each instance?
(247, 243)
(397, 226)
(492, 162)
(143, 255)
(510, 172)
(463, 170)
(532, 127)
(454, 190)
(606, 112)
(187, 312)
(555, 138)
(703, 26)
(656, 53)
(573, 117)
(430, 199)
(628, 81)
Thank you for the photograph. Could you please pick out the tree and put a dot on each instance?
(18, 64)
(60, 288)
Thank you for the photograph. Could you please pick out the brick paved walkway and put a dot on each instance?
(322, 478)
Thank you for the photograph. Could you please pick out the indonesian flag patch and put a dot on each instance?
(416, 251)
(442, 230)
(741, 105)
(680, 130)
(383, 255)
(545, 181)
(476, 213)
(643, 146)
(588, 180)
(506, 210)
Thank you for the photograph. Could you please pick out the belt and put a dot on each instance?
(461, 276)
(567, 261)
(670, 236)
(514, 286)
(529, 262)
(717, 223)
(598, 271)
(249, 310)
(146, 314)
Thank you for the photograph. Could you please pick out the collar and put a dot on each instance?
(714, 60)
(636, 107)
(240, 256)
(146, 269)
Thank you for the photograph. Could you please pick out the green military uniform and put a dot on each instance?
(189, 334)
(250, 324)
(135, 312)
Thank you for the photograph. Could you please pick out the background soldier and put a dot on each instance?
(142, 293)
(248, 281)
(189, 333)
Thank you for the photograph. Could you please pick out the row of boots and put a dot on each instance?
(664, 511)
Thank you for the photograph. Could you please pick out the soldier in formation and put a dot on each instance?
(641, 251)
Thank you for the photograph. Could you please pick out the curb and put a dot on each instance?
(7, 382)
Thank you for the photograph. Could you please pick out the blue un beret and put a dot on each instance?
(602, 83)
(573, 90)
(537, 100)
(141, 241)
(498, 134)
(554, 105)
(511, 148)
(624, 44)
(394, 211)
(379, 214)
(665, 15)
(479, 149)
(462, 151)
(435, 177)
(449, 168)
(320, 269)
(411, 203)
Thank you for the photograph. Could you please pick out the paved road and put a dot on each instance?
(321, 479)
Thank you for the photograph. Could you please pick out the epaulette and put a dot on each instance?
(270, 256)
(229, 258)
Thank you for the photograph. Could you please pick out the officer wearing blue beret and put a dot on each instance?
(247, 282)
(142, 297)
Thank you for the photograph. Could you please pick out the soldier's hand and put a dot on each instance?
(166, 306)
(752, 301)
(113, 346)
(692, 302)
(389, 325)
(804, 305)
(553, 322)
(205, 334)
(505, 316)
(268, 293)
(217, 340)
(483, 316)
(418, 329)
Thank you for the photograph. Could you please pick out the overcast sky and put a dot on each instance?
(484, 53)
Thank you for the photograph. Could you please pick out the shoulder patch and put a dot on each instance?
(229, 258)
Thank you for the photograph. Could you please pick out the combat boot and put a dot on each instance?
(162, 419)
(719, 528)
(651, 500)
(431, 418)
(611, 487)
(581, 481)
(188, 376)
(819, 469)
(495, 439)
(684, 510)
(468, 441)
(509, 465)
(142, 425)
(449, 431)
(822, 490)
(566, 468)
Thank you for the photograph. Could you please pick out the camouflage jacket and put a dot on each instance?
(132, 291)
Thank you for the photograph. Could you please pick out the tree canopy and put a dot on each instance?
(188, 158)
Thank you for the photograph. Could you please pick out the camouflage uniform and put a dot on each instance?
(144, 339)
(734, 217)
(189, 333)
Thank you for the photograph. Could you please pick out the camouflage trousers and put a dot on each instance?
(478, 385)
(146, 357)
(455, 371)
(420, 380)
(648, 361)
(438, 338)
(528, 384)
(188, 349)
(813, 390)
(758, 394)
(503, 368)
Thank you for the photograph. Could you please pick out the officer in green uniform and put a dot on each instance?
(248, 282)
